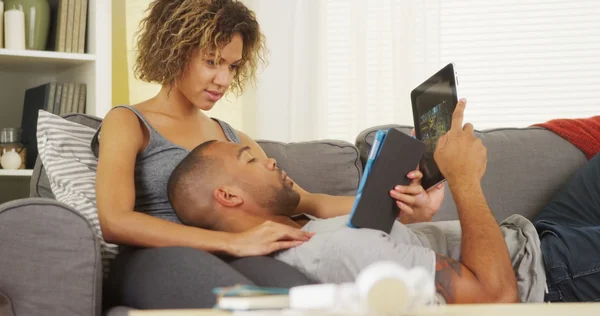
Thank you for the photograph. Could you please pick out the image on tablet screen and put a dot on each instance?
(434, 124)
(436, 108)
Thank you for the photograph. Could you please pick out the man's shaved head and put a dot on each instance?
(219, 179)
(191, 185)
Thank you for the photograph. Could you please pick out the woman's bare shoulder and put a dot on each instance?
(121, 118)
(120, 122)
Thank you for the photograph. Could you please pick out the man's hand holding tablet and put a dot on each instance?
(415, 203)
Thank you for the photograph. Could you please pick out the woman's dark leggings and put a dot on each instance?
(179, 277)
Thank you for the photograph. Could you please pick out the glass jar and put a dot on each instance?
(9, 135)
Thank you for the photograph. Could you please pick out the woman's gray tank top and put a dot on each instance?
(154, 165)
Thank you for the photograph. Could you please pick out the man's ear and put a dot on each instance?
(227, 197)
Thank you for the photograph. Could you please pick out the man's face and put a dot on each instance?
(259, 180)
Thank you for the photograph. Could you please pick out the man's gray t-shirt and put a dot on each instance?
(337, 253)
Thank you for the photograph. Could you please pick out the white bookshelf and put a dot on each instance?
(16, 173)
(31, 61)
(20, 70)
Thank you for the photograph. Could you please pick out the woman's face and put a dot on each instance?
(206, 79)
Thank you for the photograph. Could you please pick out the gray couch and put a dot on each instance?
(50, 258)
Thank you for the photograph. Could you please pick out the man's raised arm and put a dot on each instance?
(484, 273)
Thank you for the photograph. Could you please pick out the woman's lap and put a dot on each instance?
(180, 277)
(266, 271)
(171, 277)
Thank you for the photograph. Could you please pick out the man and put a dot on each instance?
(474, 260)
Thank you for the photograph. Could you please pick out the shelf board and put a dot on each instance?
(16, 173)
(37, 61)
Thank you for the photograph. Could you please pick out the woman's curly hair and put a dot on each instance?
(173, 29)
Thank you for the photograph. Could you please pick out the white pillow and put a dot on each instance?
(64, 149)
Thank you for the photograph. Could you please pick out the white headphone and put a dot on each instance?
(382, 288)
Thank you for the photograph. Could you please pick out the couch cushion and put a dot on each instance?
(64, 149)
(39, 185)
(526, 168)
(326, 166)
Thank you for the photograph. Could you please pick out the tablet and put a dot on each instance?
(392, 156)
(433, 103)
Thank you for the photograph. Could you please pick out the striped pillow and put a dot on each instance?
(64, 149)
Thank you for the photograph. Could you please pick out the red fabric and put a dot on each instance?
(583, 133)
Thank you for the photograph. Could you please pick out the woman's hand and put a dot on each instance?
(415, 203)
(267, 238)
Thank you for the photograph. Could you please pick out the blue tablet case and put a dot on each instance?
(392, 156)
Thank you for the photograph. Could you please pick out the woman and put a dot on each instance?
(197, 50)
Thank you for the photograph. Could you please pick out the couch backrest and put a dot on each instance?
(526, 168)
(324, 166)
(327, 166)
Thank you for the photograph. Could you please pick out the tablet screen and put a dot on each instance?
(433, 104)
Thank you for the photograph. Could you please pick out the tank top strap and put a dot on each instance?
(229, 131)
(154, 135)
(139, 115)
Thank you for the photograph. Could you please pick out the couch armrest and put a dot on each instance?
(50, 262)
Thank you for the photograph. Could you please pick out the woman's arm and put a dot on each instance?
(115, 194)
(122, 139)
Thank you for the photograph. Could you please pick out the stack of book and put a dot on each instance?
(55, 97)
(58, 97)
(69, 21)
(249, 297)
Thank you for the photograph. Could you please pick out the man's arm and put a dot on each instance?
(325, 206)
(484, 273)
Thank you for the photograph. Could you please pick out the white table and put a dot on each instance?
(569, 309)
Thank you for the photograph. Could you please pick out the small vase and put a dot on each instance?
(37, 21)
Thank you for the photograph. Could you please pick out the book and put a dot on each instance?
(76, 93)
(82, 98)
(71, 98)
(76, 21)
(250, 297)
(82, 27)
(57, 99)
(60, 35)
(51, 43)
(70, 26)
(36, 98)
(63, 99)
